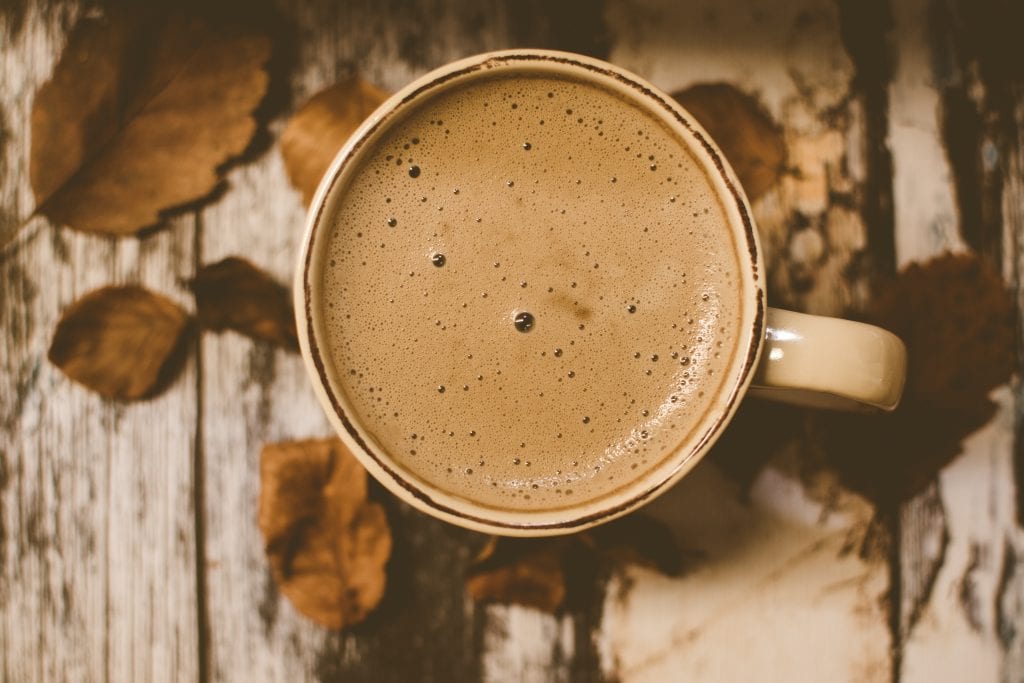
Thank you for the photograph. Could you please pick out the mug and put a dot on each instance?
(783, 355)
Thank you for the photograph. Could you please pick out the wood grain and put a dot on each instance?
(97, 576)
(960, 540)
(128, 541)
(127, 127)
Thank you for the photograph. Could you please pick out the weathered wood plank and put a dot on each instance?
(956, 634)
(97, 569)
(1010, 597)
(251, 394)
(523, 644)
(772, 568)
(866, 30)
(97, 534)
(961, 539)
(926, 224)
(925, 203)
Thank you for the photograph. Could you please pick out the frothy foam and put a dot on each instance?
(530, 293)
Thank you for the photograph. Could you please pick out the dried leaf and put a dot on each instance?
(143, 108)
(551, 573)
(320, 128)
(121, 342)
(746, 134)
(957, 314)
(326, 543)
(956, 317)
(520, 571)
(234, 294)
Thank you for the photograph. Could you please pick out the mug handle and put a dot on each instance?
(821, 362)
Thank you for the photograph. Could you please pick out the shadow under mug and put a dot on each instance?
(786, 356)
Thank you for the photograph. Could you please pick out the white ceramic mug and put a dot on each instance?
(793, 357)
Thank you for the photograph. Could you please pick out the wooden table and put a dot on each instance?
(128, 544)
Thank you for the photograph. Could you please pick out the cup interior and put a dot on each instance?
(738, 370)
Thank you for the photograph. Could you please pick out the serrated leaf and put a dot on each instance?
(143, 108)
(326, 543)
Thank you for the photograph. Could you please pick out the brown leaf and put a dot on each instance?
(520, 571)
(746, 134)
(320, 128)
(234, 294)
(121, 342)
(326, 543)
(956, 313)
(551, 573)
(142, 109)
(956, 317)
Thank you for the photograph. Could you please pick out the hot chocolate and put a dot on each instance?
(530, 293)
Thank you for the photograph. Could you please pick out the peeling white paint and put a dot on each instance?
(772, 48)
(775, 594)
(923, 195)
(956, 638)
(540, 639)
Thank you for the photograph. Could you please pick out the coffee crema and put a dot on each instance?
(530, 292)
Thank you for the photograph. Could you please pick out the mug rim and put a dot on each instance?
(430, 498)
